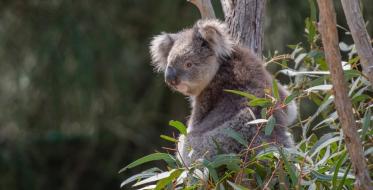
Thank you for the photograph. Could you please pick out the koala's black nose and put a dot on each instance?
(171, 76)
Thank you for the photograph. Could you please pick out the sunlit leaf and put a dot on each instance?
(168, 138)
(145, 174)
(325, 87)
(179, 126)
(257, 121)
(263, 102)
(161, 184)
(154, 178)
(152, 157)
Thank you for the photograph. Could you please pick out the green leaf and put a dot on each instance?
(270, 125)
(232, 161)
(322, 143)
(320, 176)
(212, 171)
(236, 186)
(275, 92)
(263, 102)
(244, 94)
(152, 157)
(290, 98)
(366, 123)
(236, 136)
(168, 138)
(312, 10)
(340, 186)
(337, 166)
(179, 126)
(288, 167)
(165, 181)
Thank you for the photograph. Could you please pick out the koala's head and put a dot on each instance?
(191, 58)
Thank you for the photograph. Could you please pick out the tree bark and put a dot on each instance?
(343, 105)
(204, 7)
(245, 19)
(360, 36)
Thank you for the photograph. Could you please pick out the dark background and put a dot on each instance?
(78, 98)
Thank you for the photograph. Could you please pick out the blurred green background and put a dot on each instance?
(78, 98)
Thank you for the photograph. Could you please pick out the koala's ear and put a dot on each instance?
(160, 47)
(216, 34)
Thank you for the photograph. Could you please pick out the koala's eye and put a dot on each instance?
(188, 64)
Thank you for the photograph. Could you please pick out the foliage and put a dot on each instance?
(318, 161)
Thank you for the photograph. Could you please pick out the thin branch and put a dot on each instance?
(204, 7)
(343, 104)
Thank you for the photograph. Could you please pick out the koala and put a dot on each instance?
(201, 62)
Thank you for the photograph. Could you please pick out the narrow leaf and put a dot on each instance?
(236, 136)
(270, 125)
(149, 158)
(289, 98)
(236, 186)
(263, 102)
(275, 92)
(290, 169)
(154, 178)
(324, 87)
(257, 121)
(168, 138)
(340, 186)
(366, 123)
(161, 184)
(145, 174)
(244, 94)
(179, 126)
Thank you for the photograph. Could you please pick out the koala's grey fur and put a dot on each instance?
(204, 62)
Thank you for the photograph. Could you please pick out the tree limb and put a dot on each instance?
(343, 104)
(245, 19)
(204, 7)
(360, 36)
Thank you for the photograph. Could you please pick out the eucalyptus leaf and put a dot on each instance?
(152, 157)
(244, 94)
(179, 126)
(270, 125)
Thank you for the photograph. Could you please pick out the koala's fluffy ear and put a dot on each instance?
(216, 34)
(160, 47)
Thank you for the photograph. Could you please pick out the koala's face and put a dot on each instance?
(190, 58)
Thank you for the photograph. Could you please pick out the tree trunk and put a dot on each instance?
(245, 19)
(360, 36)
(343, 105)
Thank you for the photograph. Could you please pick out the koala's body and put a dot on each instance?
(203, 61)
